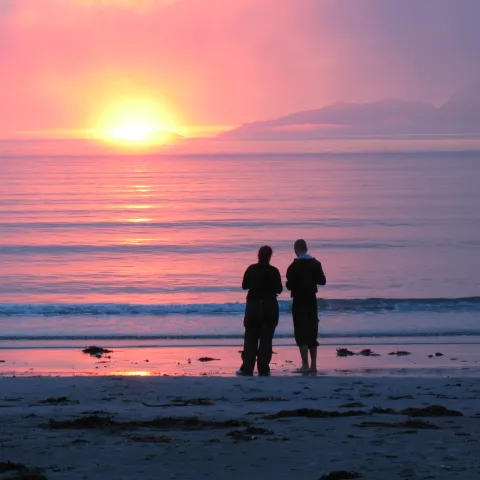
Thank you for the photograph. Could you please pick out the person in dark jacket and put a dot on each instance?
(263, 283)
(303, 276)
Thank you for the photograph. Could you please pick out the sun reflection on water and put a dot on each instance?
(133, 373)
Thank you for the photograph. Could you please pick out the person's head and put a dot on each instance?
(265, 254)
(300, 247)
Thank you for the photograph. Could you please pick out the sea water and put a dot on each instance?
(155, 246)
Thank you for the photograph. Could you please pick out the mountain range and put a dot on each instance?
(460, 115)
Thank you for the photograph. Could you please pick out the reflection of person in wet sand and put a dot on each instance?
(263, 283)
(303, 276)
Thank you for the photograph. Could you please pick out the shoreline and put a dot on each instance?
(424, 360)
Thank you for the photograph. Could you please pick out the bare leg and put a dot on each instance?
(313, 358)
(304, 354)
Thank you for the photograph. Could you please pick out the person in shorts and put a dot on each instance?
(303, 277)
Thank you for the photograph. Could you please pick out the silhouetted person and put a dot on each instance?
(303, 276)
(263, 283)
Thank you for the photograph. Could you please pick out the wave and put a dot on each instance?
(326, 306)
(205, 339)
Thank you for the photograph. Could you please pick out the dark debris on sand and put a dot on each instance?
(207, 359)
(367, 352)
(267, 399)
(98, 422)
(344, 352)
(417, 424)
(313, 413)
(23, 472)
(400, 397)
(248, 433)
(400, 353)
(184, 402)
(7, 466)
(58, 401)
(340, 475)
(430, 411)
(150, 438)
(353, 405)
(96, 351)
(90, 422)
(28, 475)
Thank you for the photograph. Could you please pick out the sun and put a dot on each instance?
(135, 122)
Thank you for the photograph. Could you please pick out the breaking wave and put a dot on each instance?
(326, 306)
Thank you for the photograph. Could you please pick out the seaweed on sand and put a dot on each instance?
(400, 353)
(28, 475)
(367, 352)
(248, 433)
(267, 399)
(23, 472)
(90, 422)
(417, 424)
(207, 359)
(344, 352)
(58, 401)
(313, 413)
(340, 475)
(181, 402)
(7, 466)
(400, 397)
(430, 411)
(95, 351)
(150, 438)
(99, 422)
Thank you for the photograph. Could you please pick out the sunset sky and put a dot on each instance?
(206, 64)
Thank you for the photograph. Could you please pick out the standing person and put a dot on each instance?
(263, 283)
(303, 276)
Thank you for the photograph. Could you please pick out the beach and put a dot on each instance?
(144, 255)
(179, 412)
(249, 427)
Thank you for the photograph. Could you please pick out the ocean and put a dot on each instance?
(153, 247)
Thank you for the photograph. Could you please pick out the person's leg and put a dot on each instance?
(265, 350)
(250, 349)
(250, 341)
(313, 334)
(270, 316)
(304, 356)
(313, 358)
(299, 329)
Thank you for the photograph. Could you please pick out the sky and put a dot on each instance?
(207, 64)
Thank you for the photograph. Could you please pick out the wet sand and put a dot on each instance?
(270, 428)
(429, 359)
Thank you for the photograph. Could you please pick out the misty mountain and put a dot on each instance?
(459, 115)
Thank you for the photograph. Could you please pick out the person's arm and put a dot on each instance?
(321, 278)
(289, 283)
(278, 283)
(246, 282)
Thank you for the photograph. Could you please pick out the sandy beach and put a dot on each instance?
(189, 427)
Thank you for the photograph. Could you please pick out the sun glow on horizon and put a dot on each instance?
(136, 122)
